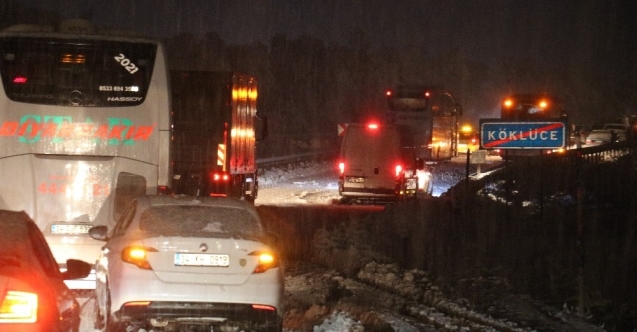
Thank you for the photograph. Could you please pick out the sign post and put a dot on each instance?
(479, 157)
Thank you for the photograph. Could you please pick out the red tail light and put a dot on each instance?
(163, 190)
(341, 167)
(137, 256)
(20, 80)
(137, 304)
(267, 260)
(399, 170)
(18, 307)
(220, 177)
(263, 307)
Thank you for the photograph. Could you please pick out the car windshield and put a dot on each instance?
(199, 221)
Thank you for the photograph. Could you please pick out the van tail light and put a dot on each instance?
(341, 167)
(267, 260)
(19, 307)
(399, 170)
(20, 80)
(138, 256)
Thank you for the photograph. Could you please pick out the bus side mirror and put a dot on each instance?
(458, 110)
(420, 164)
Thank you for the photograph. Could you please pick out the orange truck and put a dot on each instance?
(215, 129)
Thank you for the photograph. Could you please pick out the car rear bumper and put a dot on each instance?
(139, 286)
(160, 313)
(367, 192)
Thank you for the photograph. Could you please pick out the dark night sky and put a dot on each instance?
(487, 29)
(595, 37)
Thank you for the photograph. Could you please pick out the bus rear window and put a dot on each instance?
(69, 72)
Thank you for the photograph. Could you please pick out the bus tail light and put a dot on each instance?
(508, 103)
(341, 167)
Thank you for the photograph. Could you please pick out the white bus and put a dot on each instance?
(84, 127)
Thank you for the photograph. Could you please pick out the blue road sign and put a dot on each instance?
(503, 134)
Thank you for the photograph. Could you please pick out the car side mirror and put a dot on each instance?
(99, 232)
(76, 269)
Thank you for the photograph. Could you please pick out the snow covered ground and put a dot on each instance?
(379, 289)
(317, 182)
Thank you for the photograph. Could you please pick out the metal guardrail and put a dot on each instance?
(604, 152)
(295, 158)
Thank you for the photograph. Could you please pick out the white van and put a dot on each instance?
(377, 163)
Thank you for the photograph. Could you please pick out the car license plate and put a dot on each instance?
(70, 228)
(355, 179)
(201, 260)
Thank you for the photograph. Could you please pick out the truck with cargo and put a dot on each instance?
(215, 130)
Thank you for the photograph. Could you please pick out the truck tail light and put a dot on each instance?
(219, 177)
(164, 190)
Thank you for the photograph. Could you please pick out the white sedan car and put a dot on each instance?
(182, 263)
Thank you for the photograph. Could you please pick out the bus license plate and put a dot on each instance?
(201, 260)
(70, 229)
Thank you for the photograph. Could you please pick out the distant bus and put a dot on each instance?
(528, 107)
(522, 107)
(84, 128)
(432, 113)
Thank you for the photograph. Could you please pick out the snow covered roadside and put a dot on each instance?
(317, 182)
(383, 295)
